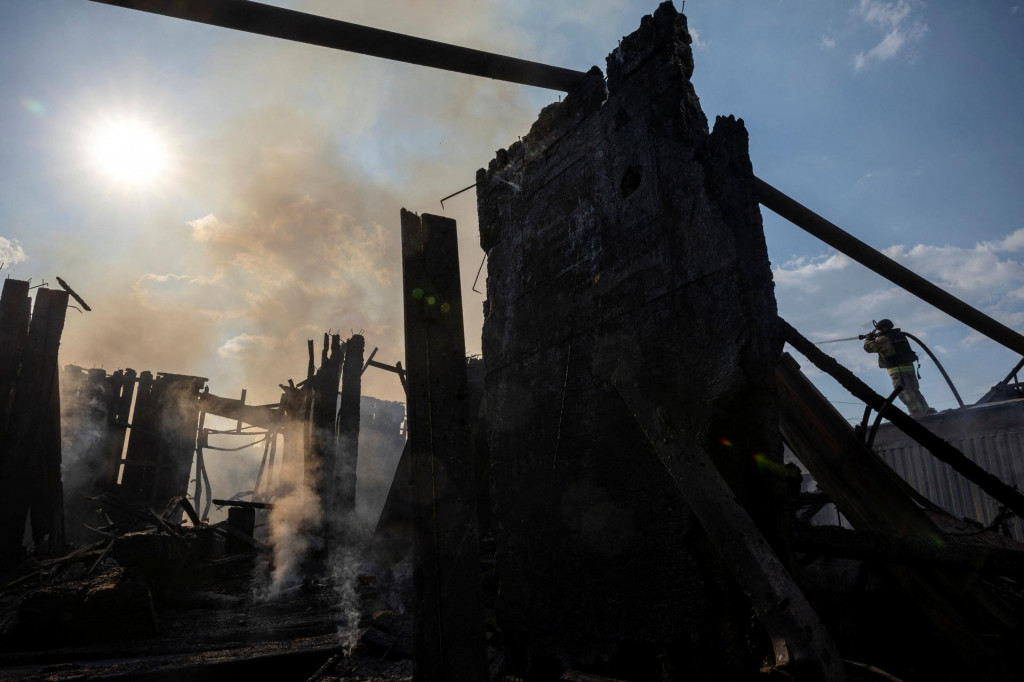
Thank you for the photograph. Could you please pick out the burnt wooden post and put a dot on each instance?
(449, 641)
(324, 414)
(30, 466)
(47, 506)
(295, 402)
(348, 423)
(798, 635)
(14, 314)
(307, 419)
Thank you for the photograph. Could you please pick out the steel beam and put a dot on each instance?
(278, 22)
(846, 243)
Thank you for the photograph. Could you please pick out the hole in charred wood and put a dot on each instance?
(631, 180)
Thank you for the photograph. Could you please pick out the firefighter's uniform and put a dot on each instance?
(896, 357)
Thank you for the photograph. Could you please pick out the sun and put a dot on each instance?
(128, 152)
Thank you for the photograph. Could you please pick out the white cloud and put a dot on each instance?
(11, 251)
(827, 42)
(806, 272)
(885, 15)
(825, 298)
(698, 44)
(1013, 242)
(238, 346)
(898, 23)
(868, 177)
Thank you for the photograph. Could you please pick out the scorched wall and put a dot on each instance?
(622, 235)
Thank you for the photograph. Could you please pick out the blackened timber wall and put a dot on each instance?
(163, 440)
(89, 439)
(621, 233)
(30, 476)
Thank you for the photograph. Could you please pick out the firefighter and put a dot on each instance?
(897, 357)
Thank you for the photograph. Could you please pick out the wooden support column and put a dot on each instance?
(30, 470)
(47, 506)
(307, 419)
(14, 314)
(449, 637)
(348, 423)
(295, 402)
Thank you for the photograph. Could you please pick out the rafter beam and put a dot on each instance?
(278, 22)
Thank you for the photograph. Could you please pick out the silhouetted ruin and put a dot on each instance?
(636, 482)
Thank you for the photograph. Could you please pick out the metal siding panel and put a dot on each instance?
(1000, 452)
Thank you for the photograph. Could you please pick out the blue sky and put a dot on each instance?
(900, 120)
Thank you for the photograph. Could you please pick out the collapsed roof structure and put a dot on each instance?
(606, 495)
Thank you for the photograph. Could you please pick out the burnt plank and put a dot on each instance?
(14, 316)
(797, 633)
(448, 639)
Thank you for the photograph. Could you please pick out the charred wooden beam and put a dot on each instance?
(190, 511)
(269, 417)
(243, 503)
(323, 426)
(941, 449)
(798, 635)
(397, 369)
(892, 548)
(277, 22)
(449, 636)
(871, 496)
(73, 294)
(846, 243)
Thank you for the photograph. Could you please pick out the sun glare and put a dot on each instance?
(128, 153)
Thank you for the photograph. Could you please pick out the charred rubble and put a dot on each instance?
(636, 482)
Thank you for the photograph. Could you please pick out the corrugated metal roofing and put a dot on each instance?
(990, 435)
